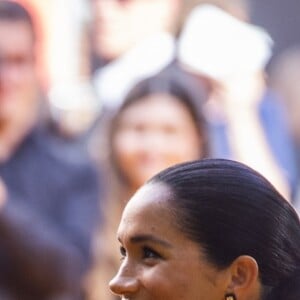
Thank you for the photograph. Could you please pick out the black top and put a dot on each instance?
(47, 223)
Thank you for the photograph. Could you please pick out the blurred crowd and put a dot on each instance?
(97, 96)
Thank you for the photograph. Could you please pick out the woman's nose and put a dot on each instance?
(123, 284)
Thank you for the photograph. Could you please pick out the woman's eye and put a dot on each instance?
(150, 253)
(123, 252)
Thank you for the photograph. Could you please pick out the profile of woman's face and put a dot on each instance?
(158, 261)
(152, 134)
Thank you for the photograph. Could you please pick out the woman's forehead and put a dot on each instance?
(149, 196)
(150, 202)
(148, 216)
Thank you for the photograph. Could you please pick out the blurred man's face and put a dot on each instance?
(18, 82)
(120, 24)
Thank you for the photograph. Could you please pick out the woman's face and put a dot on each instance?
(153, 134)
(158, 261)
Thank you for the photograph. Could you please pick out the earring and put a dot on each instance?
(230, 296)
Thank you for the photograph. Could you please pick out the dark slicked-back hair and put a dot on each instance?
(230, 210)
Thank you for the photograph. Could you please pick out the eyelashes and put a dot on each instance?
(122, 252)
(150, 253)
(146, 253)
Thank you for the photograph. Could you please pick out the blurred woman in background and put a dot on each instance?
(160, 124)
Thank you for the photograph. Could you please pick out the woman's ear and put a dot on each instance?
(244, 282)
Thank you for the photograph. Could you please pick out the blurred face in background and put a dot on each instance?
(152, 134)
(18, 82)
(120, 24)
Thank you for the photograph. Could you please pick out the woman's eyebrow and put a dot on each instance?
(149, 238)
